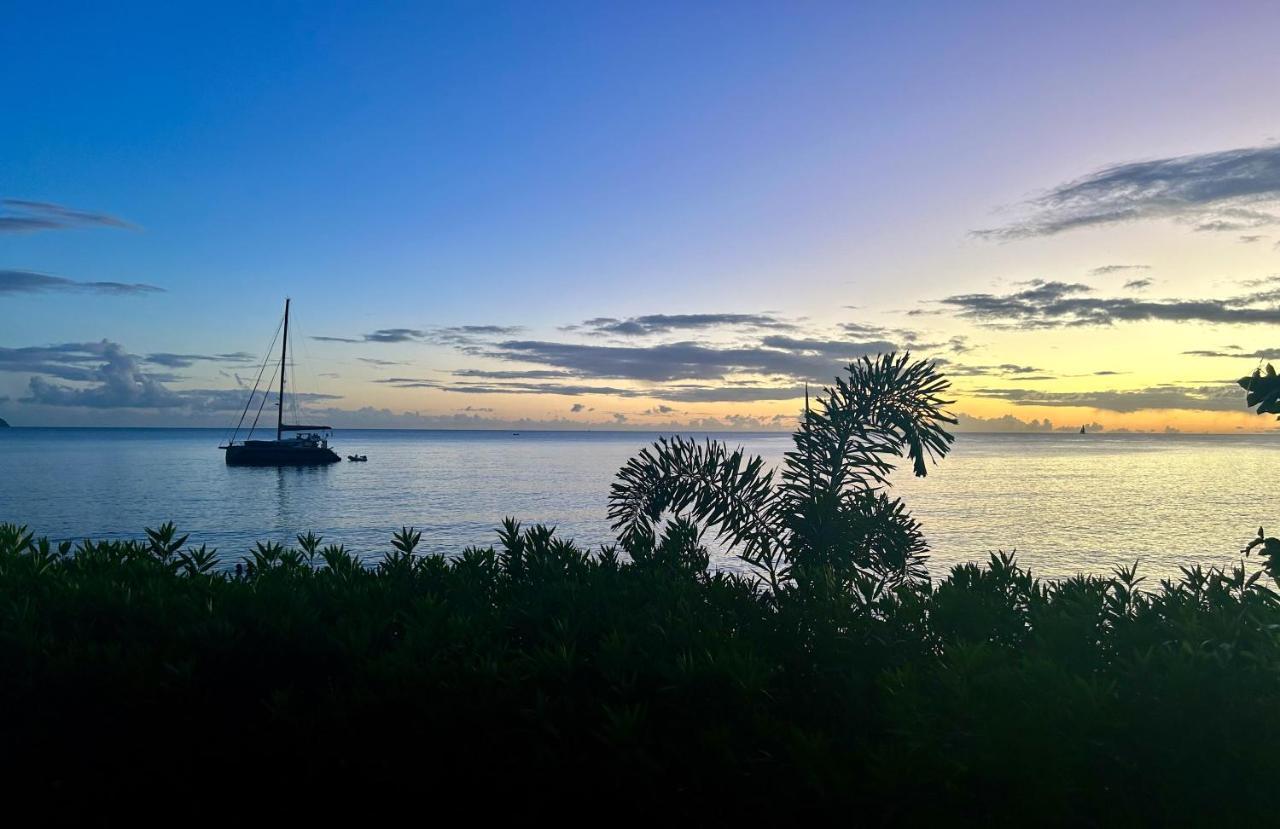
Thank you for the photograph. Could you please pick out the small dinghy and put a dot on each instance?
(357, 457)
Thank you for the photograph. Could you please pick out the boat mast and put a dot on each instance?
(284, 345)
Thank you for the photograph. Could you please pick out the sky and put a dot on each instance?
(637, 215)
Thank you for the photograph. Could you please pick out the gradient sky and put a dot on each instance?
(637, 214)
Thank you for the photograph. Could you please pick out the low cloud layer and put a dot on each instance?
(103, 375)
(30, 282)
(1226, 191)
(1012, 423)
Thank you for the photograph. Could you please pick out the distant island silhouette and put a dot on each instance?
(4, 424)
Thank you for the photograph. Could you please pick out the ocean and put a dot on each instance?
(1066, 503)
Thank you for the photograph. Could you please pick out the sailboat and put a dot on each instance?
(305, 445)
(1082, 430)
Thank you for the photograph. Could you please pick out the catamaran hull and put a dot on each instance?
(280, 456)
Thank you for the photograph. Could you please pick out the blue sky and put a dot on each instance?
(533, 166)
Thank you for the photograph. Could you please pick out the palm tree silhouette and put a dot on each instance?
(825, 515)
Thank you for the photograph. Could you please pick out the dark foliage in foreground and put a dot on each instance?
(536, 673)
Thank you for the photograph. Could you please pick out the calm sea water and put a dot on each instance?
(1067, 503)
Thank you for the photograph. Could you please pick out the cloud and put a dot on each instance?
(1057, 304)
(729, 394)
(1109, 269)
(382, 335)
(532, 374)
(772, 366)
(185, 360)
(1218, 397)
(25, 216)
(394, 335)
(103, 375)
(1250, 239)
(115, 382)
(1220, 191)
(734, 392)
(1002, 370)
(453, 335)
(233, 400)
(30, 282)
(1138, 284)
(666, 323)
(817, 360)
(369, 417)
(1261, 354)
(66, 361)
(577, 407)
(506, 387)
(1273, 279)
(498, 330)
(1011, 423)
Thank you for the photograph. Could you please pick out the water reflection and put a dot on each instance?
(1067, 504)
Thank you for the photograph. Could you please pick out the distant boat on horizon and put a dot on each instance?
(307, 446)
(1082, 430)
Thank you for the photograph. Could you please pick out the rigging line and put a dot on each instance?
(265, 396)
(299, 404)
(293, 372)
(301, 411)
(249, 402)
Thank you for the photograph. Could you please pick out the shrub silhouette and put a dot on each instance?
(542, 674)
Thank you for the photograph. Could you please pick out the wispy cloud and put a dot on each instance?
(1057, 304)
(1261, 354)
(1219, 397)
(1223, 191)
(528, 374)
(1137, 284)
(1110, 269)
(185, 360)
(30, 282)
(454, 335)
(26, 216)
(665, 323)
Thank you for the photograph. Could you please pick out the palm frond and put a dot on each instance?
(721, 489)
